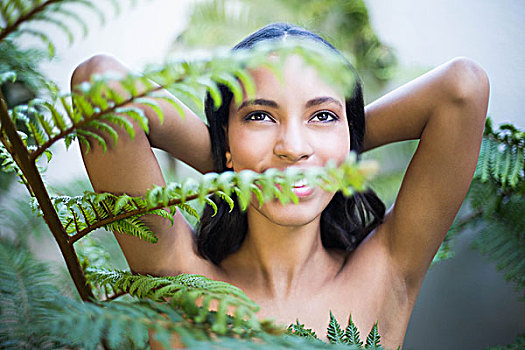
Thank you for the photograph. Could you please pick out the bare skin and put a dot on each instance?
(282, 264)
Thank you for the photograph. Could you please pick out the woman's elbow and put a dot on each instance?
(468, 83)
(96, 64)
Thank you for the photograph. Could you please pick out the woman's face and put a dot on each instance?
(300, 122)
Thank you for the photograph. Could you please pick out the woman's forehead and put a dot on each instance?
(296, 79)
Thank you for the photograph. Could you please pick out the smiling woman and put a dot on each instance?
(327, 252)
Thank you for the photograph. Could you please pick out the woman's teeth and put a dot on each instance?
(300, 183)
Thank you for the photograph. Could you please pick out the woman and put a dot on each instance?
(284, 259)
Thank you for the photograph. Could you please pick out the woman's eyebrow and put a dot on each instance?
(320, 100)
(258, 101)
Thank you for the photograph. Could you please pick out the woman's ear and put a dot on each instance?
(229, 161)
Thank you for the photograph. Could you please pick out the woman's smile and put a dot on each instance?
(298, 122)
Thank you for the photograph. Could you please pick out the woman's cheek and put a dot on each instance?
(333, 145)
(250, 148)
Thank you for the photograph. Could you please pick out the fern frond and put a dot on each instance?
(186, 293)
(352, 336)
(335, 333)
(373, 339)
(7, 76)
(518, 344)
(25, 291)
(20, 16)
(8, 164)
(299, 329)
(117, 324)
(504, 243)
(95, 102)
(502, 156)
(347, 176)
(81, 215)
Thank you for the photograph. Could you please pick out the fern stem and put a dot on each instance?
(35, 11)
(38, 152)
(35, 183)
(126, 215)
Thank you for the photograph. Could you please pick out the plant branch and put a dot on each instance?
(30, 171)
(126, 215)
(38, 9)
(38, 152)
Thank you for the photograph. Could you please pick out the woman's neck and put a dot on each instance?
(279, 260)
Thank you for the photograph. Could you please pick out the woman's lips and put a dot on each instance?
(302, 191)
(300, 188)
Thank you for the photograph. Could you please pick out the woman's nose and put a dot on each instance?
(292, 144)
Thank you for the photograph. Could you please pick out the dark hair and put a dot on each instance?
(345, 222)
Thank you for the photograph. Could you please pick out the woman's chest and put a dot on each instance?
(365, 298)
(365, 307)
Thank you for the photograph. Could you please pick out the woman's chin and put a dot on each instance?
(290, 214)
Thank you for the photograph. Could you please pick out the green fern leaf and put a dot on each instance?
(51, 49)
(233, 84)
(506, 166)
(94, 136)
(483, 166)
(99, 125)
(300, 330)
(121, 202)
(137, 114)
(134, 227)
(258, 194)
(121, 121)
(518, 168)
(185, 292)
(174, 104)
(154, 106)
(212, 204)
(73, 16)
(70, 112)
(25, 294)
(373, 339)
(7, 76)
(518, 344)
(58, 118)
(352, 336)
(335, 334)
(247, 82)
(226, 198)
(59, 24)
(84, 107)
(188, 91)
(84, 142)
(213, 90)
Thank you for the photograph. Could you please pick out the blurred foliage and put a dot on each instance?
(202, 312)
(518, 344)
(34, 313)
(345, 24)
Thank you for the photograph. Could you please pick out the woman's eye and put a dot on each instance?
(324, 117)
(258, 116)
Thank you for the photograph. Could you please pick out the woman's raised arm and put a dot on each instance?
(446, 110)
(130, 167)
